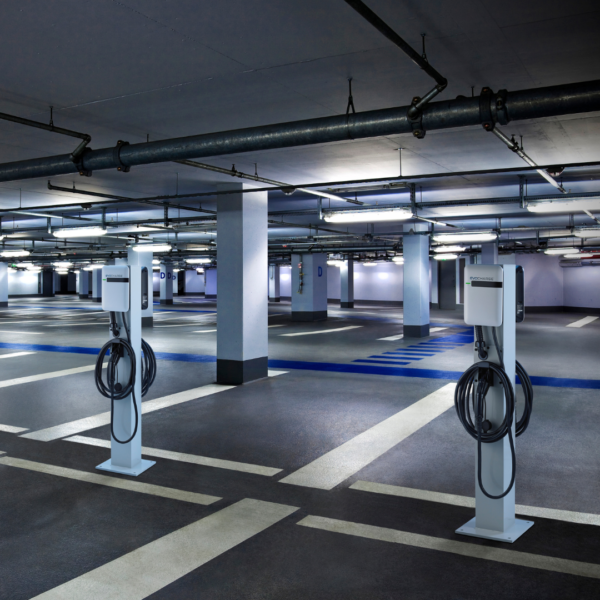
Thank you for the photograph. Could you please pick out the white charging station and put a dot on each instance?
(491, 304)
(123, 296)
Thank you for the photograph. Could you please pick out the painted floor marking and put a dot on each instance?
(123, 484)
(322, 331)
(204, 461)
(436, 329)
(382, 362)
(148, 569)
(15, 354)
(205, 331)
(337, 465)
(582, 322)
(281, 325)
(391, 338)
(511, 557)
(79, 323)
(12, 429)
(466, 501)
(42, 376)
(23, 332)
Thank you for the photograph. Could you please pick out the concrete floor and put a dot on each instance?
(56, 528)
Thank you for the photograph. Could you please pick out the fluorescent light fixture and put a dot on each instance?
(79, 232)
(23, 265)
(14, 253)
(198, 261)
(554, 206)
(556, 251)
(399, 260)
(592, 232)
(152, 247)
(369, 264)
(335, 263)
(450, 238)
(449, 249)
(445, 256)
(62, 271)
(155, 268)
(579, 255)
(155, 261)
(367, 216)
(93, 267)
(63, 264)
(199, 271)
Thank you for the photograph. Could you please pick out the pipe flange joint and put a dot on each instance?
(486, 116)
(79, 163)
(117, 157)
(500, 110)
(415, 118)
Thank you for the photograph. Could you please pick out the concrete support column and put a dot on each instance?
(242, 309)
(145, 260)
(309, 287)
(166, 283)
(347, 284)
(274, 284)
(489, 253)
(84, 284)
(47, 280)
(97, 285)
(3, 285)
(210, 284)
(416, 280)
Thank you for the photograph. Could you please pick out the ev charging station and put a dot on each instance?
(131, 364)
(485, 398)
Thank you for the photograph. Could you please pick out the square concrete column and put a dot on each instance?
(347, 284)
(145, 260)
(175, 283)
(274, 284)
(3, 285)
(309, 287)
(210, 284)
(97, 285)
(166, 283)
(416, 280)
(242, 309)
(489, 253)
(47, 281)
(84, 284)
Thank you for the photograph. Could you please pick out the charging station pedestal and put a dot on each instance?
(126, 459)
(484, 304)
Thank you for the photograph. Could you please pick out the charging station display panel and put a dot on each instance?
(484, 295)
(115, 288)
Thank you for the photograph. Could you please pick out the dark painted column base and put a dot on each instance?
(96, 299)
(147, 321)
(346, 304)
(166, 301)
(3, 304)
(274, 299)
(210, 296)
(317, 315)
(236, 372)
(416, 331)
(84, 296)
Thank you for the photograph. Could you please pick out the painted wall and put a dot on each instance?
(156, 282)
(543, 279)
(22, 283)
(194, 282)
(285, 282)
(382, 282)
(582, 287)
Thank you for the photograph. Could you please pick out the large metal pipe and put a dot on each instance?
(461, 112)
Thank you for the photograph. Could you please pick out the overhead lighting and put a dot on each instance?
(449, 238)
(198, 261)
(553, 251)
(63, 264)
(155, 261)
(199, 271)
(445, 256)
(579, 255)
(335, 263)
(152, 248)
(592, 232)
(62, 271)
(399, 260)
(14, 253)
(23, 265)
(80, 232)
(369, 264)
(156, 268)
(555, 206)
(449, 249)
(367, 216)
(93, 266)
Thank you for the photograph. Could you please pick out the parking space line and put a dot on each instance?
(42, 376)
(427, 542)
(12, 429)
(22, 332)
(15, 354)
(582, 322)
(144, 571)
(344, 461)
(391, 338)
(322, 331)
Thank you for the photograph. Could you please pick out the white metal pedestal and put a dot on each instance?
(142, 466)
(509, 535)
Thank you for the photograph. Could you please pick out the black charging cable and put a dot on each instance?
(116, 349)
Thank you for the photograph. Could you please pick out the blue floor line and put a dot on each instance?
(412, 358)
(428, 350)
(381, 362)
(96, 308)
(410, 354)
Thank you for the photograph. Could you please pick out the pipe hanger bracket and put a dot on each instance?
(117, 157)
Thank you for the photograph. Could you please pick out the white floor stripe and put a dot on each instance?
(334, 467)
(510, 557)
(12, 429)
(15, 354)
(521, 509)
(436, 329)
(205, 331)
(74, 427)
(392, 338)
(582, 322)
(122, 484)
(273, 373)
(23, 332)
(150, 568)
(78, 323)
(42, 376)
(322, 331)
(204, 461)
(282, 325)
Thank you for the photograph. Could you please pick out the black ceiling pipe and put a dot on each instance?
(502, 108)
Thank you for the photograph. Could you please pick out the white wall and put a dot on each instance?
(156, 282)
(582, 287)
(285, 282)
(382, 282)
(194, 282)
(543, 279)
(22, 283)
